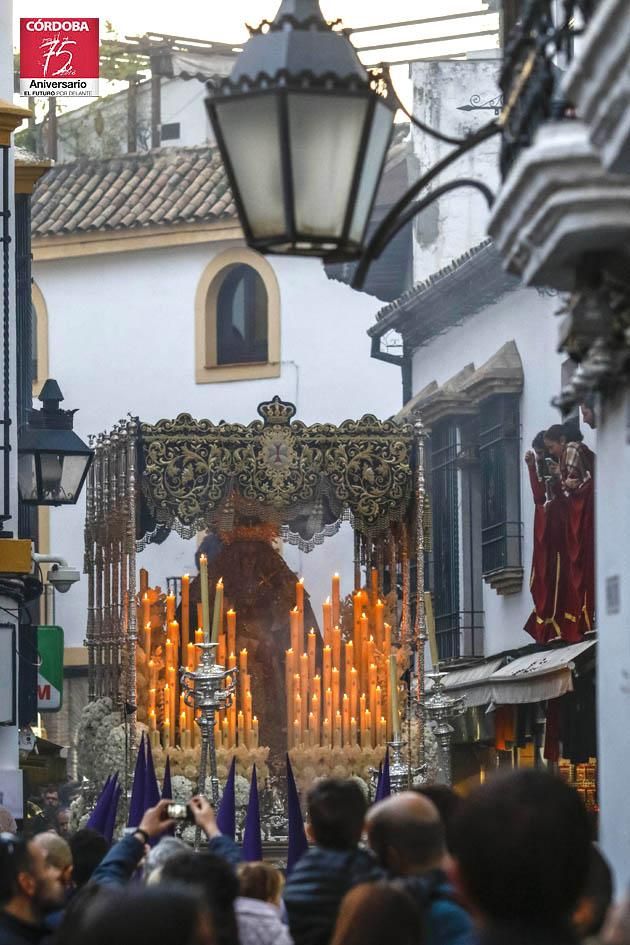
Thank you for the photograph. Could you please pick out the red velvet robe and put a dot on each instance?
(548, 574)
(579, 610)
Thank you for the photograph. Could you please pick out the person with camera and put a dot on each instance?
(124, 858)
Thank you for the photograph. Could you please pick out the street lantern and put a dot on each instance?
(52, 460)
(303, 136)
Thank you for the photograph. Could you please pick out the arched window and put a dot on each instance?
(242, 317)
(237, 319)
(39, 338)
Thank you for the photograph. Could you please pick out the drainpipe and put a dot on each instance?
(402, 361)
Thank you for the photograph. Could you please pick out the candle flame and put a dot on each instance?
(328, 600)
(220, 582)
(301, 581)
(203, 559)
(230, 611)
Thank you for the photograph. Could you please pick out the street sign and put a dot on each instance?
(50, 674)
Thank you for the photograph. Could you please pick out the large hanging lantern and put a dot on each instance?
(52, 460)
(303, 136)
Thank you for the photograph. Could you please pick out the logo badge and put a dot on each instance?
(59, 57)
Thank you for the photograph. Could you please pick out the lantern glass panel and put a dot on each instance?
(250, 130)
(325, 139)
(381, 130)
(27, 477)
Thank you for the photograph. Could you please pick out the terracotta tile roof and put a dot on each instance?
(161, 187)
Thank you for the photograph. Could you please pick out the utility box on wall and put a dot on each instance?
(7, 673)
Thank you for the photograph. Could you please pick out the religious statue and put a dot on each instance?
(260, 587)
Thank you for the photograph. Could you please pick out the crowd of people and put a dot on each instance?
(511, 864)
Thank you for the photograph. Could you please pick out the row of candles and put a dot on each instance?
(352, 699)
(169, 719)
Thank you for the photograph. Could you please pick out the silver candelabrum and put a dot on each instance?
(441, 708)
(205, 688)
(401, 774)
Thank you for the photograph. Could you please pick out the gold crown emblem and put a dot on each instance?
(276, 412)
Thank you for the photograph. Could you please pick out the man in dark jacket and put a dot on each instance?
(521, 846)
(321, 878)
(407, 835)
(30, 886)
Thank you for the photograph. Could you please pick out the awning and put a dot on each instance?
(535, 677)
(472, 682)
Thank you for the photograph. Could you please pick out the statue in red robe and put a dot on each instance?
(548, 573)
(574, 470)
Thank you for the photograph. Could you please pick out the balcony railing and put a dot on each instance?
(538, 51)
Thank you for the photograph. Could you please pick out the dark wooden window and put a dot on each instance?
(499, 451)
(170, 131)
(445, 500)
(242, 323)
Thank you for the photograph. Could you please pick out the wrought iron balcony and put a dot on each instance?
(538, 50)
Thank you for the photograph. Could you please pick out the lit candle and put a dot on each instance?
(382, 733)
(232, 660)
(167, 704)
(374, 585)
(169, 653)
(363, 665)
(337, 741)
(231, 631)
(336, 600)
(225, 733)
(190, 656)
(349, 663)
(387, 645)
(289, 671)
(327, 621)
(327, 667)
(146, 610)
(294, 617)
(368, 729)
(185, 611)
(217, 614)
(299, 595)
(152, 720)
(166, 734)
(315, 706)
(248, 718)
(362, 710)
(297, 729)
(304, 683)
(311, 730)
(335, 692)
(170, 608)
(255, 733)
(205, 597)
(379, 623)
(242, 660)
(311, 643)
(345, 713)
(378, 705)
(336, 647)
(299, 715)
(326, 734)
(147, 639)
(152, 698)
(328, 704)
(221, 650)
(354, 692)
(240, 725)
(182, 727)
(393, 696)
(353, 731)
